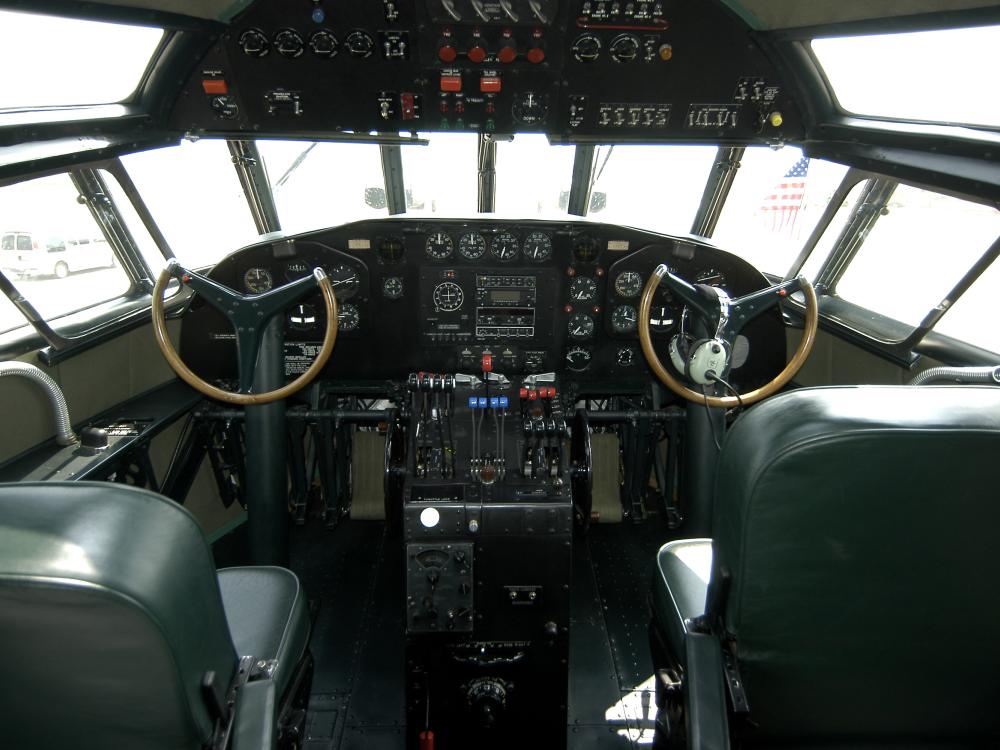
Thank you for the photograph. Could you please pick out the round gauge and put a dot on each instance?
(324, 44)
(254, 43)
(625, 356)
(505, 247)
(583, 289)
(711, 277)
(302, 317)
(578, 358)
(586, 48)
(580, 326)
(662, 319)
(472, 246)
(624, 319)
(538, 247)
(257, 280)
(345, 281)
(448, 296)
(624, 48)
(392, 287)
(289, 43)
(297, 269)
(439, 246)
(585, 249)
(348, 318)
(390, 249)
(530, 108)
(360, 44)
(628, 284)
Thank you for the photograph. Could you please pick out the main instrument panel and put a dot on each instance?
(578, 70)
(536, 296)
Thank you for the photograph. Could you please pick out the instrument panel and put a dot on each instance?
(538, 296)
(577, 70)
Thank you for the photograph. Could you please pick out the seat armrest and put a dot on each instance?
(254, 727)
(705, 694)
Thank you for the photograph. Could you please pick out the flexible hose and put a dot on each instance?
(64, 430)
(971, 375)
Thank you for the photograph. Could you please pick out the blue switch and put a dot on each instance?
(482, 402)
(504, 402)
(494, 402)
(473, 401)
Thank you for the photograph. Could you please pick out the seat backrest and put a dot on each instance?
(110, 615)
(859, 527)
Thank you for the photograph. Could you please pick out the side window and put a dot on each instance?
(7, 243)
(23, 242)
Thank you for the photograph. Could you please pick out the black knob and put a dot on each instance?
(433, 576)
(94, 438)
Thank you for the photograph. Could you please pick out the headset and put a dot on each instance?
(695, 358)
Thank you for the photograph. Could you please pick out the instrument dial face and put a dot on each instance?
(448, 296)
(628, 284)
(391, 249)
(257, 280)
(348, 318)
(585, 249)
(360, 44)
(538, 247)
(302, 317)
(711, 277)
(583, 289)
(254, 43)
(624, 319)
(472, 246)
(626, 356)
(392, 287)
(580, 326)
(578, 358)
(505, 247)
(289, 43)
(624, 48)
(345, 281)
(586, 48)
(662, 319)
(323, 44)
(297, 269)
(439, 246)
(530, 108)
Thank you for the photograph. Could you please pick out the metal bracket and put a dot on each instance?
(737, 693)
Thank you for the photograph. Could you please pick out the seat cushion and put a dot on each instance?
(267, 614)
(679, 588)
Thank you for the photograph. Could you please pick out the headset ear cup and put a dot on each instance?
(679, 353)
(689, 355)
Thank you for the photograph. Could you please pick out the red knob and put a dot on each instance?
(447, 53)
(487, 363)
(532, 395)
(507, 54)
(536, 55)
(523, 394)
(477, 54)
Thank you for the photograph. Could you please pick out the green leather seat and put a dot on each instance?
(112, 614)
(857, 528)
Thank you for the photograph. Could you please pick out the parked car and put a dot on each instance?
(22, 255)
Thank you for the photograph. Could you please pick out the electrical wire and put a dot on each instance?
(711, 424)
(712, 376)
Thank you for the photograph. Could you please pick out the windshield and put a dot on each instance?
(65, 61)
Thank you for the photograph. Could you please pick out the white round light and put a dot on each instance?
(429, 517)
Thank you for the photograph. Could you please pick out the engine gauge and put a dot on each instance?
(289, 43)
(297, 269)
(254, 43)
(505, 247)
(625, 356)
(578, 358)
(711, 277)
(448, 296)
(439, 246)
(624, 319)
(348, 318)
(538, 247)
(628, 284)
(345, 281)
(359, 44)
(392, 287)
(585, 249)
(471, 246)
(390, 249)
(324, 44)
(257, 280)
(302, 317)
(583, 289)
(580, 326)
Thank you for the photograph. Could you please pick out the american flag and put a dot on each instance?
(785, 200)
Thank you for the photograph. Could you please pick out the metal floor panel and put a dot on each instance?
(354, 573)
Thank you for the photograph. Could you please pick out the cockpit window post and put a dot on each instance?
(253, 177)
(392, 175)
(720, 182)
(873, 201)
(118, 171)
(487, 174)
(95, 194)
(583, 180)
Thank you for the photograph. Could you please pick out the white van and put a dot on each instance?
(22, 255)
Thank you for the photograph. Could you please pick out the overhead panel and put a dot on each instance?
(577, 70)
